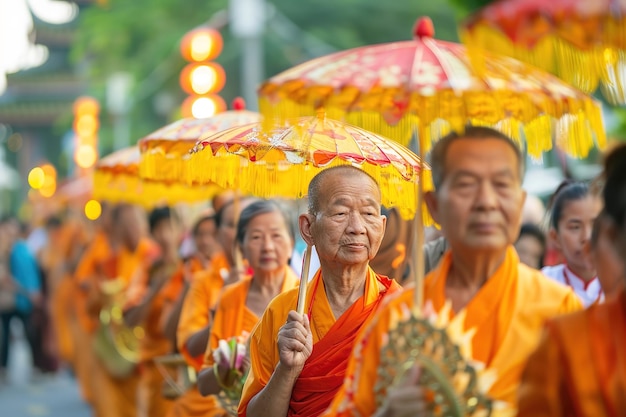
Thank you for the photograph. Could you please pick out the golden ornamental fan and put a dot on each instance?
(449, 380)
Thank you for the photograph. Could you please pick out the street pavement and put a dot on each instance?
(25, 394)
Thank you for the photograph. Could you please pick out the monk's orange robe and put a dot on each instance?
(232, 319)
(174, 287)
(579, 369)
(154, 344)
(203, 294)
(118, 397)
(201, 298)
(333, 338)
(85, 324)
(508, 313)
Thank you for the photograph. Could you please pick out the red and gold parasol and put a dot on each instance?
(581, 41)
(281, 161)
(116, 179)
(163, 153)
(430, 86)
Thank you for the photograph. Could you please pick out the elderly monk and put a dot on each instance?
(300, 376)
(205, 289)
(579, 368)
(477, 201)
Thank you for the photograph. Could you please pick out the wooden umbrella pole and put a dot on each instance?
(237, 255)
(418, 229)
(304, 279)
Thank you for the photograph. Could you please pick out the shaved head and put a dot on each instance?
(316, 186)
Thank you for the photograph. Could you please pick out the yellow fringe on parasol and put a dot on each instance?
(116, 179)
(583, 42)
(432, 87)
(286, 180)
(281, 162)
(165, 152)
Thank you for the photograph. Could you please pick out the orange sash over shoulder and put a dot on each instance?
(325, 369)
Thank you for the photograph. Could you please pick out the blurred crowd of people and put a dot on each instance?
(131, 302)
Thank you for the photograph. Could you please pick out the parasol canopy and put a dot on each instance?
(581, 41)
(116, 179)
(164, 152)
(430, 87)
(282, 160)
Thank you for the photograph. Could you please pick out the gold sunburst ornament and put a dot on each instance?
(454, 384)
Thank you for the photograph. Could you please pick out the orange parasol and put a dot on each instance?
(116, 179)
(581, 41)
(163, 152)
(430, 86)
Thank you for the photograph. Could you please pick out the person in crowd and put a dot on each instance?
(298, 361)
(266, 237)
(573, 212)
(579, 369)
(144, 302)
(87, 302)
(531, 245)
(194, 326)
(24, 282)
(207, 247)
(477, 200)
(609, 265)
(130, 255)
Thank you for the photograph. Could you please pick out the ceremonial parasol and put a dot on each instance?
(116, 179)
(581, 41)
(429, 87)
(164, 152)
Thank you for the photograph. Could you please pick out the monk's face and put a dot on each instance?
(479, 202)
(132, 226)
(267, 244)
(205, 238)
(349, 227)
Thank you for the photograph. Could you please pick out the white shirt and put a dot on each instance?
(588, 292)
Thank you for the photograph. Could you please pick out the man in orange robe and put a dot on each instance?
(579, 369)
(144, 302)
(207, 247)
(478, 202)
(86, 305)
(301, 375)
(195, 320)
(132, 253)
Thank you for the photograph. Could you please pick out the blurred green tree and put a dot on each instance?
(142, 37)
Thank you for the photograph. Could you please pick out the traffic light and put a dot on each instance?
(201, 78)
(86, 124)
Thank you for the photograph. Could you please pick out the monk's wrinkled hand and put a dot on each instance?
(295, 342)
(406, 399)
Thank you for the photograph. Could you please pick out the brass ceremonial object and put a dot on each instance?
(450, 382)
(116, 344)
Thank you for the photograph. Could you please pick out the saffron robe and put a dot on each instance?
(332, 342)
(119, 397)
(201, 298)
(579, 368)
(507, 313)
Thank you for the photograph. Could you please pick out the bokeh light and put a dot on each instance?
(36, 178)
(93, 209)
(85, 156)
